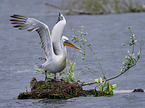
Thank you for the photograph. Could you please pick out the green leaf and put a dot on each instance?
(97, 80)
(100, 80)
(113, 86)
(88, 44)
(123, 44)
(100, 88)
(83, 58)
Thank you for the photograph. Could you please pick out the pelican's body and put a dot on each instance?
(53, 44)
(57, 62)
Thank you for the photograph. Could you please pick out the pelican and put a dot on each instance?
(53, 44)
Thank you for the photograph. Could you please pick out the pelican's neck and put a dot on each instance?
(59, 48)
(64, 50)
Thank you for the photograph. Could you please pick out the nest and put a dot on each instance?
(52, 90)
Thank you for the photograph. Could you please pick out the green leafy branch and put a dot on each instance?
(80, 38)
(131, 58)
(103, 84)
(105, 88)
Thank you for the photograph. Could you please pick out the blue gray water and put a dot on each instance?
(20, 50)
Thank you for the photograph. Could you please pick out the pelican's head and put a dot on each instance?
(66, 42)
(60, 17)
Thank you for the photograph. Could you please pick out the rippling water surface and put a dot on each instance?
(20, 50)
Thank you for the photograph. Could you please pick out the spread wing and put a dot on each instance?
(57, 34)
(31, 24)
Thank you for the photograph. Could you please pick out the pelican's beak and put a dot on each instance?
(67, 43)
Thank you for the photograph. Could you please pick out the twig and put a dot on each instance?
(98, 62)
(84, 84)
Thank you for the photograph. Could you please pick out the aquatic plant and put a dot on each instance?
(52, 90)
(110, 6)
(105, 88)
(99, 6)
(80, 38)
(132, 57)
(69, 72)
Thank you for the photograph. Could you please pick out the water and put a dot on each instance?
(19, 52)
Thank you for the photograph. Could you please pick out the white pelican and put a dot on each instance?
(53, 44)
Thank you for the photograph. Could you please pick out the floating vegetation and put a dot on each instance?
(100, 6)
(59, 90)
(107, 6)
(52, 90)
(102, 84)
(138, 90)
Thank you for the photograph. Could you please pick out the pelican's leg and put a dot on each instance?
(47, 79)
(55, 79)
(55, 76)
(45, 75)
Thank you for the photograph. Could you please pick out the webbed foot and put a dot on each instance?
(56, 80)
(51, 79)
(48, 79)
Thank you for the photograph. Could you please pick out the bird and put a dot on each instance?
(53, 43)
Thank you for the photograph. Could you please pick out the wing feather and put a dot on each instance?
(57, 34)
(31, 24)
